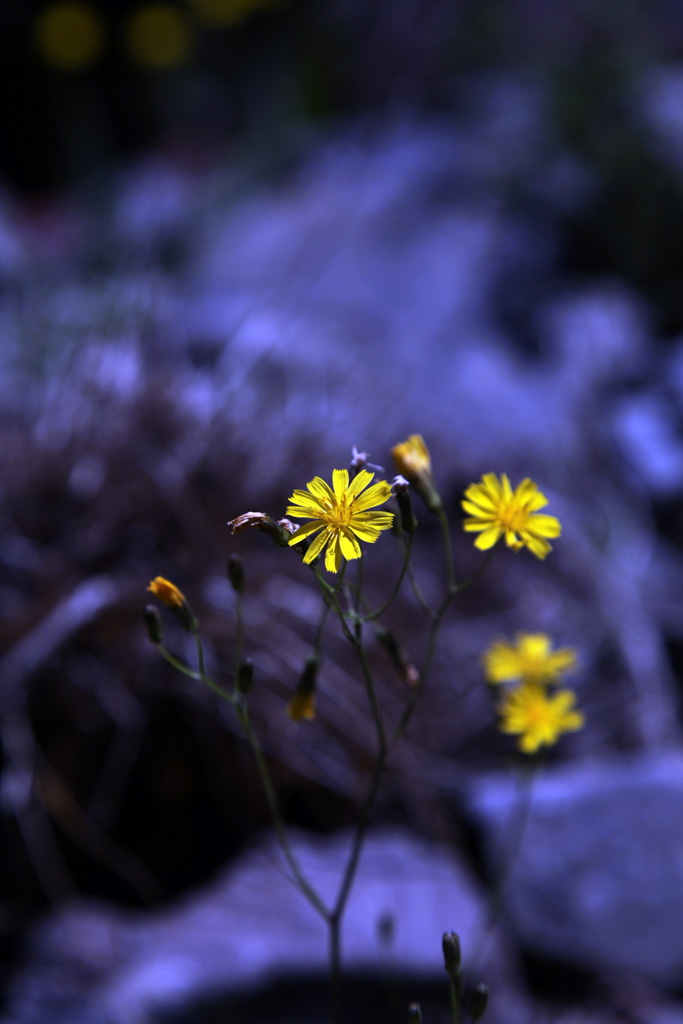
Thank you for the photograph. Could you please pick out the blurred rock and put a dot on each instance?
(91, 962)
(598, 881)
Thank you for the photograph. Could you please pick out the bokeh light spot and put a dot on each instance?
(70, 36)
(223, 13)
(158, 37)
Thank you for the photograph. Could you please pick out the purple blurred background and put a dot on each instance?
(237, 238)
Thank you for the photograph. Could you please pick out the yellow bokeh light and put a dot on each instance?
(158, 37)
(223, 13)
(70, 36)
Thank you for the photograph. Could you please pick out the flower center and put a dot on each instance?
(512, 517)
(338, 514)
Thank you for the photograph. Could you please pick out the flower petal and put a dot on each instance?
(350, 547)
(305, 531)
(340, 481)
(306, 500)
(488, 538)
(375, 495)
(319, 489)
(359, 483)
(474, 525)
(317, 546)
(544, 526)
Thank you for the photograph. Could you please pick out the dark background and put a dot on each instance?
(337, 223)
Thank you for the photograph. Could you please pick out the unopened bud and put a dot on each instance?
(415, 1013)
(173, 598)
(450, 943)
(479, 1002)
(245, 676)
(302, 704)
(153, 624)
(401, 489)
(412, 460)
(399, 656)
(236, 573)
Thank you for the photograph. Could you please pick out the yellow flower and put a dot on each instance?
(413, 461)
(531, 658)
(167, 592)
(538, 719)
(496, 510)
(340, 516)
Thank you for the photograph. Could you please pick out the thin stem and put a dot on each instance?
(507, 858)
(321, 626)
(418, 593)
(431, 650)
(242, 712)
(447, 548)
(455, 1002)
(459, 587)
(304, 885)
(383, 607)
(239, 640)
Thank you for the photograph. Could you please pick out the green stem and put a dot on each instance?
(273, 805)
(455, 1002)
(507, 858)
(404, 568)
(239, 640)
(447, 548)
(459, 587)
(242, 712)
(418, 593)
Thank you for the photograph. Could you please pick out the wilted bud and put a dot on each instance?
(412, 460)
(401, 489)
(236, 573)
(450, 943)
(399, 656)
(479, 1002)
(415, 1013)
(153, 624)
(174, 599)
(302, 704)
(245, 676)
(280, 531)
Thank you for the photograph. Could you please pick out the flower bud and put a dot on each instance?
(153, 624)
(414, 1013)
(280, 531)
(450, 943)
(173, 598)
(398, 655)
(302, 704)
(401, 489)
(236, 573)
(479, 1002)
(245, 676)
(412, 460)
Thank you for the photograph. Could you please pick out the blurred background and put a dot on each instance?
(238, 237)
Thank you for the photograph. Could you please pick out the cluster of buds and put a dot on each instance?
(452, 958)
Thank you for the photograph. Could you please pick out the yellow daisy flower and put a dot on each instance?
(340, 515)
(537, 718)
(496, 510)
(530, 658)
